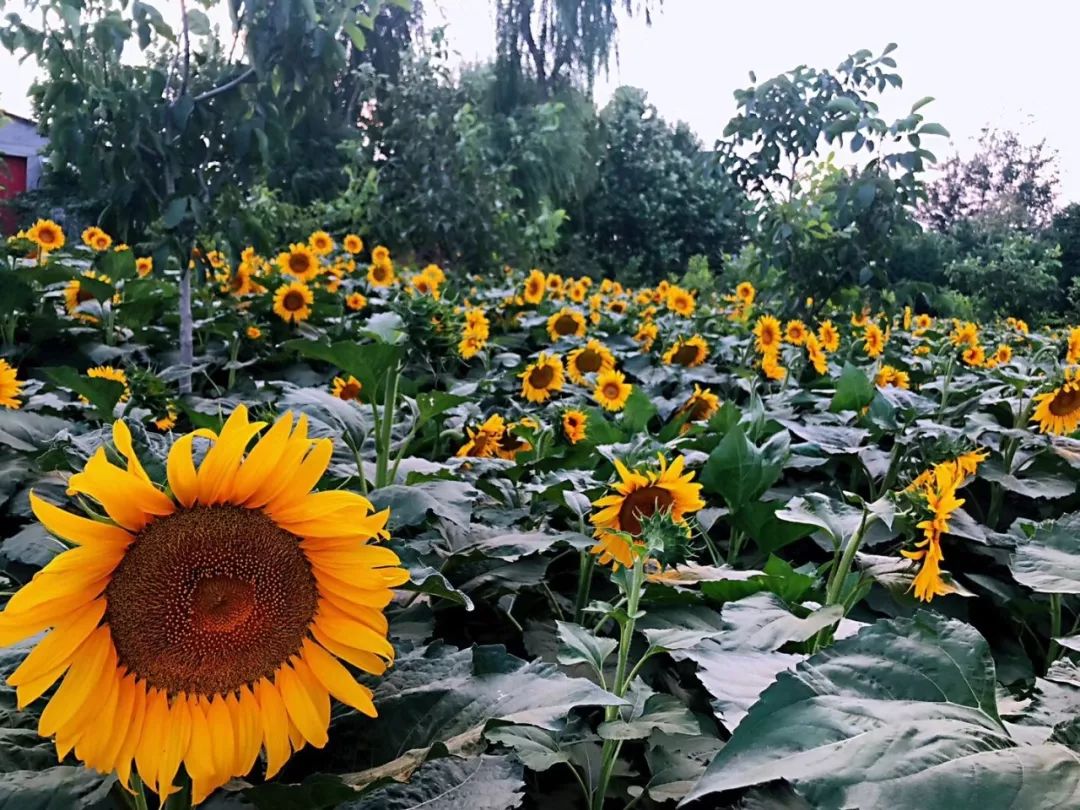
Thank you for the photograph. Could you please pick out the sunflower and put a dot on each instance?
(434, 273)
(906, 322)
(10, 386)
(484, 441)
(567, 322)
(646, 335)
(922, 323)
(168, 421)
(938, 487)
(381, 274)
(253, 332)
(573, 425)
(321, 243)
(1003, 354)
(75, 295)
(639, 495)
(700, 407)
(591, 358)
(974, 356)
(795, 332)
(211, 611)
(771, 367)
(292, 302)
(612, 390)
(94, 237)
(470, 345)
(346, 389)
(299, 261)
(690, 352)
(767, 333)
(829, 336)
(46, 234)
(510, 444)
(965, 334)
(110, 373)
(144, 266)
(534, 288)
(554, 283)
(616, 307)
(746, 293)
(578, 292)
(873, 340)
(380, 254)
(541, 379)
(680, 301)
(352, 243)
(1058, 411)
(1072, 352)
(815, 354)
(890, 376)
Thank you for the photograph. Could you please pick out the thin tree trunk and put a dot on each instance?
(187, 329)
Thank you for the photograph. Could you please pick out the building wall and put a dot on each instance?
(20, 138)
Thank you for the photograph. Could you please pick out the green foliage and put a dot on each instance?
(1017, 277)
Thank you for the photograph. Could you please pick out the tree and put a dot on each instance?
(157, 142)
(1065, 231)
(1004, 182)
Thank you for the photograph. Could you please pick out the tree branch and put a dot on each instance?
(229, 85)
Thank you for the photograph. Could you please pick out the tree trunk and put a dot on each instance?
(187, 329)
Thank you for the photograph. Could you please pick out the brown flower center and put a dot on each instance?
(541, 376)
(612, 390)
(566, 325)
(83, 295)
(642, 503)
(299, 263)
(1065, 402)
(349, 391)
(589, 361)
(686, 354)
(293, 300)
(210, 598)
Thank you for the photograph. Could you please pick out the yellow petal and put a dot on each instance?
(222, 739)
(77, 529)
(301, 706)
(151, 744)
(127, 499)
(363, 659)
(291, 455)
(248, 724)
(122, 440)
(120, 725)
(78, 683)
(126, 754)
(180, 469)
(223, 459)
(199, 760)
(307, 475)
(351, 632)
(264, 456)
(176, 739)
(336, 679)
(275, 723)
(57, 647)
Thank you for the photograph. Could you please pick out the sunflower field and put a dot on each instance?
(414, 538)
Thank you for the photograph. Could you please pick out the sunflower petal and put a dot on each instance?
(336, 679)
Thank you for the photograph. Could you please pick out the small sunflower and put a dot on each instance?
(592, 358)
(612, 390)
(974, 356)
(541, 379)
(646, 335)
(168, 421)
(352, 243)
(795, 332)
(292, 302)
(567, 322)
(816, 354)
(10, 386)
(1003, 354)
(470, 345)
(746, 293)
(534, 288)
(484, 441)
(680, 301)
(829, 336)
(639, 495)
(573, 424)
(423, 285)
(111, 373)
(691, 352)
(381, 274)
(508, 447)
(95, 238)
(554, 283)
(76, 294)
(771, 367)
(214, 610)
(380, 254)
(46, 234)
(889, 376)
(356, 301)
(873, 340)
(346, 388)
(253, 332)
(700, 407)
(434, 274)
(300, 262)
(923, 322)
(144, 266)
(1058, 411)
(321, 243)
(767, 333)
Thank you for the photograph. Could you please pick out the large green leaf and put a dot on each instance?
(368, 362)
(740, 471)
(449, 783)
(60, 788)
(102, 394)
(854, 391)
(901, 715)
(1049, 562)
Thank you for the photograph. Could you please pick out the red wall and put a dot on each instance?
(12, 182)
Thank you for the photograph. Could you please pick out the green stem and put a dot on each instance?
(840, 570)
(1054, 649)
(140, 792)
(234, 353)
(382, 449)
(585, 569)
(735, 545)
(945, 385)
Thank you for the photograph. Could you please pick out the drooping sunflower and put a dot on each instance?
(292, 302)
(680, 301)
(46, 234)
(111, 373)
(691, 352)
(890, 376)
(771, 366)
(612, 390)
(484, 441)
(356, 301)
(321, 243)
(1058, 411)
(646, 335)
(700, 407)
(168, 421)
(815, 354)
(300, 262)
(542, 378)
(573, 424)
(144, 266)
(10, 386)
(347, 388)
(381, 274)
(795, 332)
(593, 357)
(567, 322)
(829, 336)
(352, 243)
(767, 334)
(639, 495)
(534, 288)
(205, 621)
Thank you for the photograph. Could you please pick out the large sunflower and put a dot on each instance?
(639, 495)
(300, 262)
(1058, 411)
(202, 622)
(292, 302)
(593, 357)
(10, 386)
(566, 322)
(541, 379)
(689, 352)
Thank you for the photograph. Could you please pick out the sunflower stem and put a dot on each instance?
(140, 792)
(1054, 649)
(585, 570)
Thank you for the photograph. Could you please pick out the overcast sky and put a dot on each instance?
(992, 63)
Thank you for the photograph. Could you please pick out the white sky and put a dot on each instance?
(990, 62)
